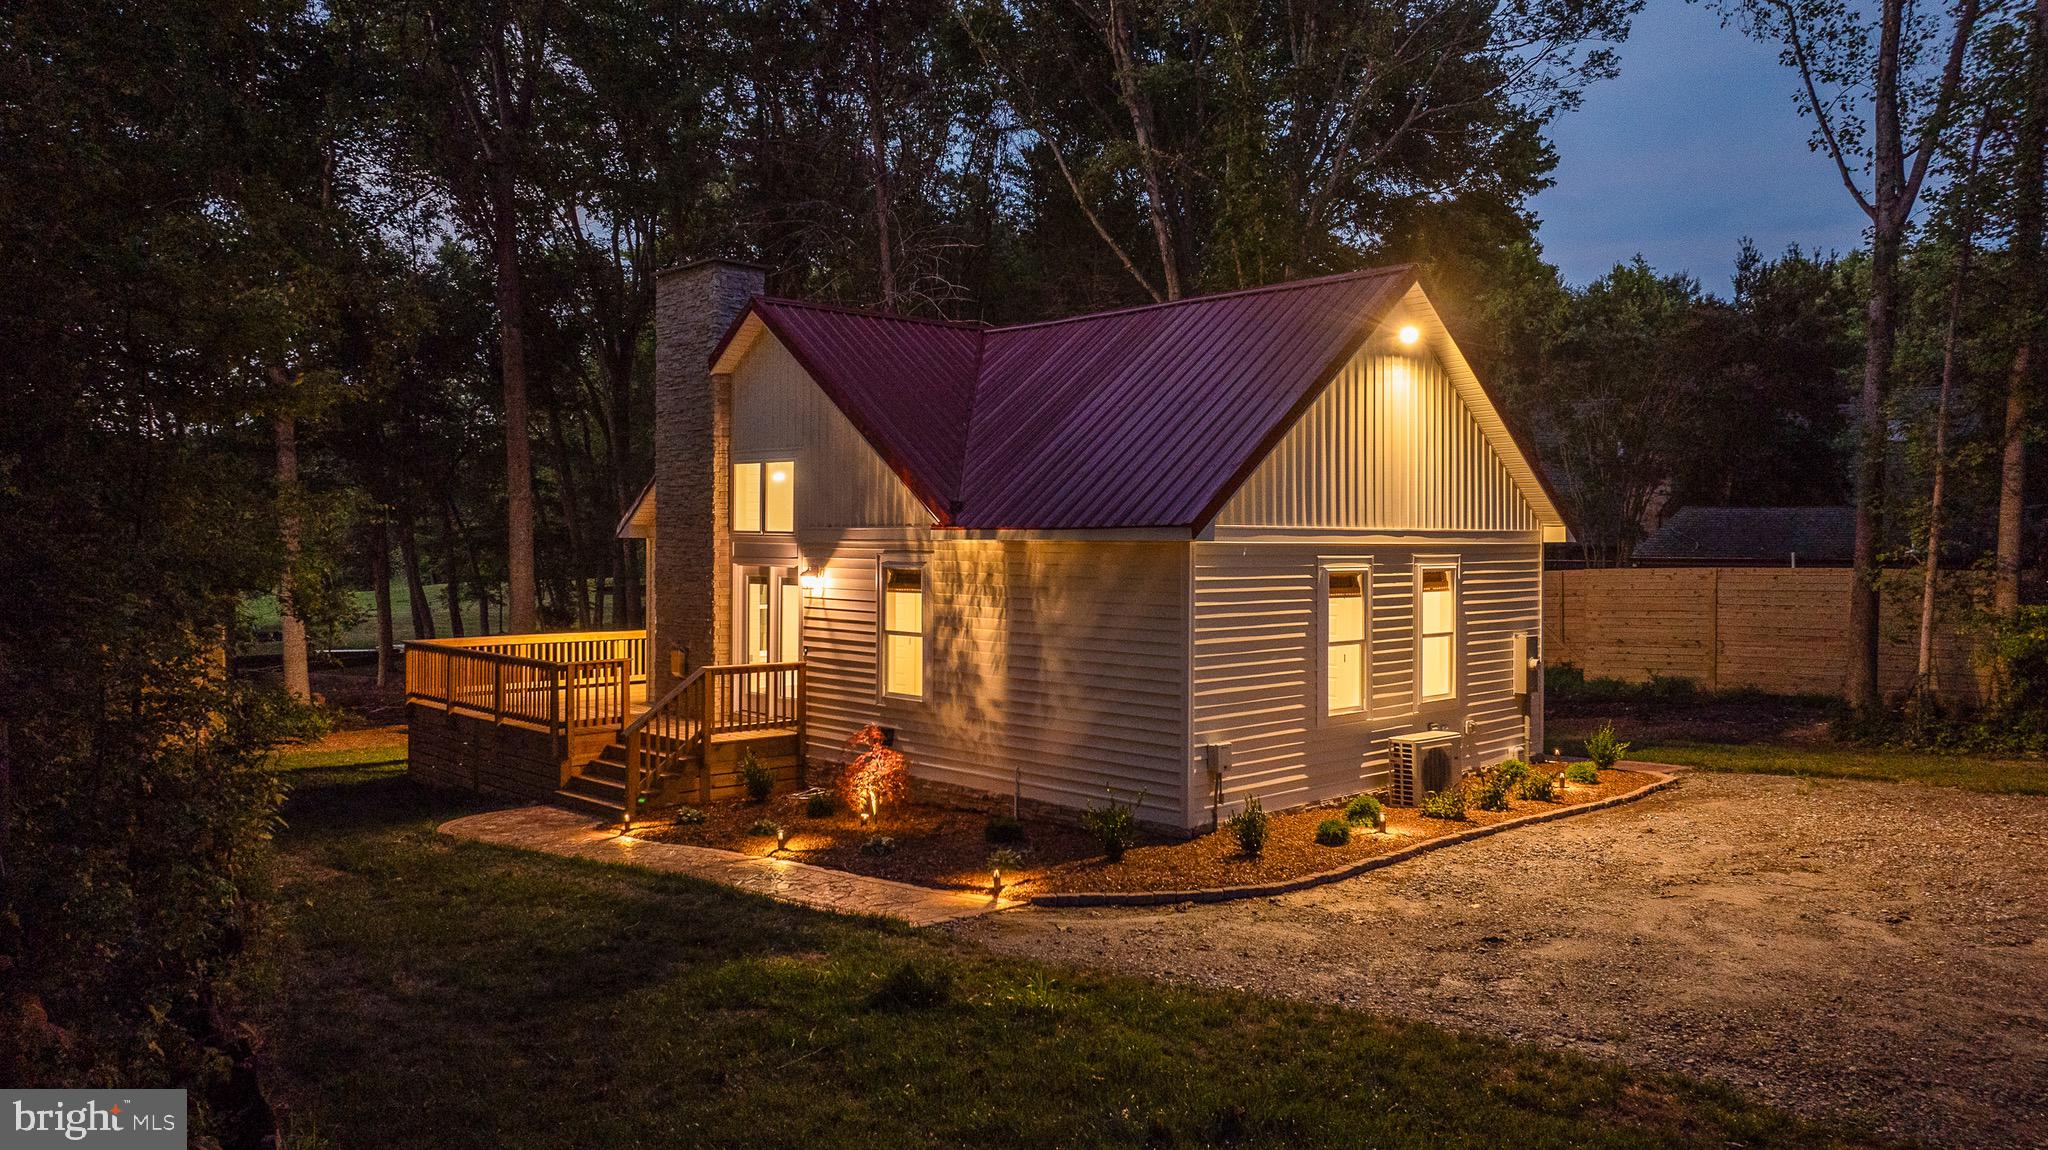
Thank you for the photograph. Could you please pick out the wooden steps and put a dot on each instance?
(598, 786)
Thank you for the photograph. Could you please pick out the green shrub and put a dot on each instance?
(688, 816)
(1333, 832)
(1114, 825)
(1448, 803)
(1582, 773)
(1003, 829)
(877, 845)
(1251, 826)
(1565, 683)
(820, 805)
(1538, 788)
(913, 987)
(1365, 811)
(1509, 771)
(759, 780)
(1603, 748)
(764, 827)
(1002, 861)
(1491, 792)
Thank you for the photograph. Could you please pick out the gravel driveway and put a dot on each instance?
(1859, 949)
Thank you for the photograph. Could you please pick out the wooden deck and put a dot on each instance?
(569, 717)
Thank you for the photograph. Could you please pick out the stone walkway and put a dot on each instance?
(552, 830)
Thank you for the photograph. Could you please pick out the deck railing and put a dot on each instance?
(568, 683)
(678, 727)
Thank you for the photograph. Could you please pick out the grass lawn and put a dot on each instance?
(1971, 772)
(414, 991)
(382, 754)
(260, 612)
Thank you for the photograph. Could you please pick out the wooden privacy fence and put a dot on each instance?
(1777, 629)
(568, 684)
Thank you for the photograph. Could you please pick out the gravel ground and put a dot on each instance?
(1866, 950)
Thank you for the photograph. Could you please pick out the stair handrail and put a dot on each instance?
(633, 734)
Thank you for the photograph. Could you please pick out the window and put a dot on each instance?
(764, 496)
(903, 632)
(1344, 650)
(1437, 660)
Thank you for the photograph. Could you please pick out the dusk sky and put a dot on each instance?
(1695, 145)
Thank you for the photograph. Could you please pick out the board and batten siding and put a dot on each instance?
(1386, 469)
(1056, 667)
(779, 413)
(1258, 673)
(1388, 446)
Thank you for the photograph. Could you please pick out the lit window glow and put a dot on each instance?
(1437, 668)
(1345, 652)
(903, 631)
(764, 496)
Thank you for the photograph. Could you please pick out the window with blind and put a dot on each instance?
(903, 632)
(1344, 648)
(1437, 625)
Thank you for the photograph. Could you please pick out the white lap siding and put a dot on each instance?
(1062, 662)
(1257, 665)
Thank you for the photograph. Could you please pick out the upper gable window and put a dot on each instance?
(764, 496)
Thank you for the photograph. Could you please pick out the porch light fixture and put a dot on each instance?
(1409, 333)
(812, 581)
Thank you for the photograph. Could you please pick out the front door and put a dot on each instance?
(771, 615)
(771, 627)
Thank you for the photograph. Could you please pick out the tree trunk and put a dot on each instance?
(379, 538)
(2027, 254)
(520, 600)
(297, 678)
(576, 578)
(878, 149)
(1118, 34)
(415, 584)
(1924, 670)
(1861, 687)
(1925, 685)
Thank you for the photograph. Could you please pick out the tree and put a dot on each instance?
(2030, 265)
(478, 75)
(1228, 144)
(1901, 73)
(1621, 389)
(137, 510)
(1965, 193)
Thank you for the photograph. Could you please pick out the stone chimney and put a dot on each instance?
(694, 303)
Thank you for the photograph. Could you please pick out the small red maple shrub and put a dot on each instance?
(877, 774)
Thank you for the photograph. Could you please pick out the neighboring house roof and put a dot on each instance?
(1821, 536)
(1143, 417)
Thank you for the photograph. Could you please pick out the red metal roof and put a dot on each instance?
(1145, 417)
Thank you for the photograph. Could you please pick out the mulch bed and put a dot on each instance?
(945, 847)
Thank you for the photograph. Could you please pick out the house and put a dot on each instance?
(1752, 537)
(1262, 543)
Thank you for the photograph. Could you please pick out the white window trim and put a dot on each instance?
(1322, 655)
(733, 464)
(882, 632)
(1457, 629)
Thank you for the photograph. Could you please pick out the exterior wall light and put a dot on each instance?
(1409, 334)
(812, 581)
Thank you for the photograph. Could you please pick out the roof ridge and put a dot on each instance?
(871, 313)
(1285, 285)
